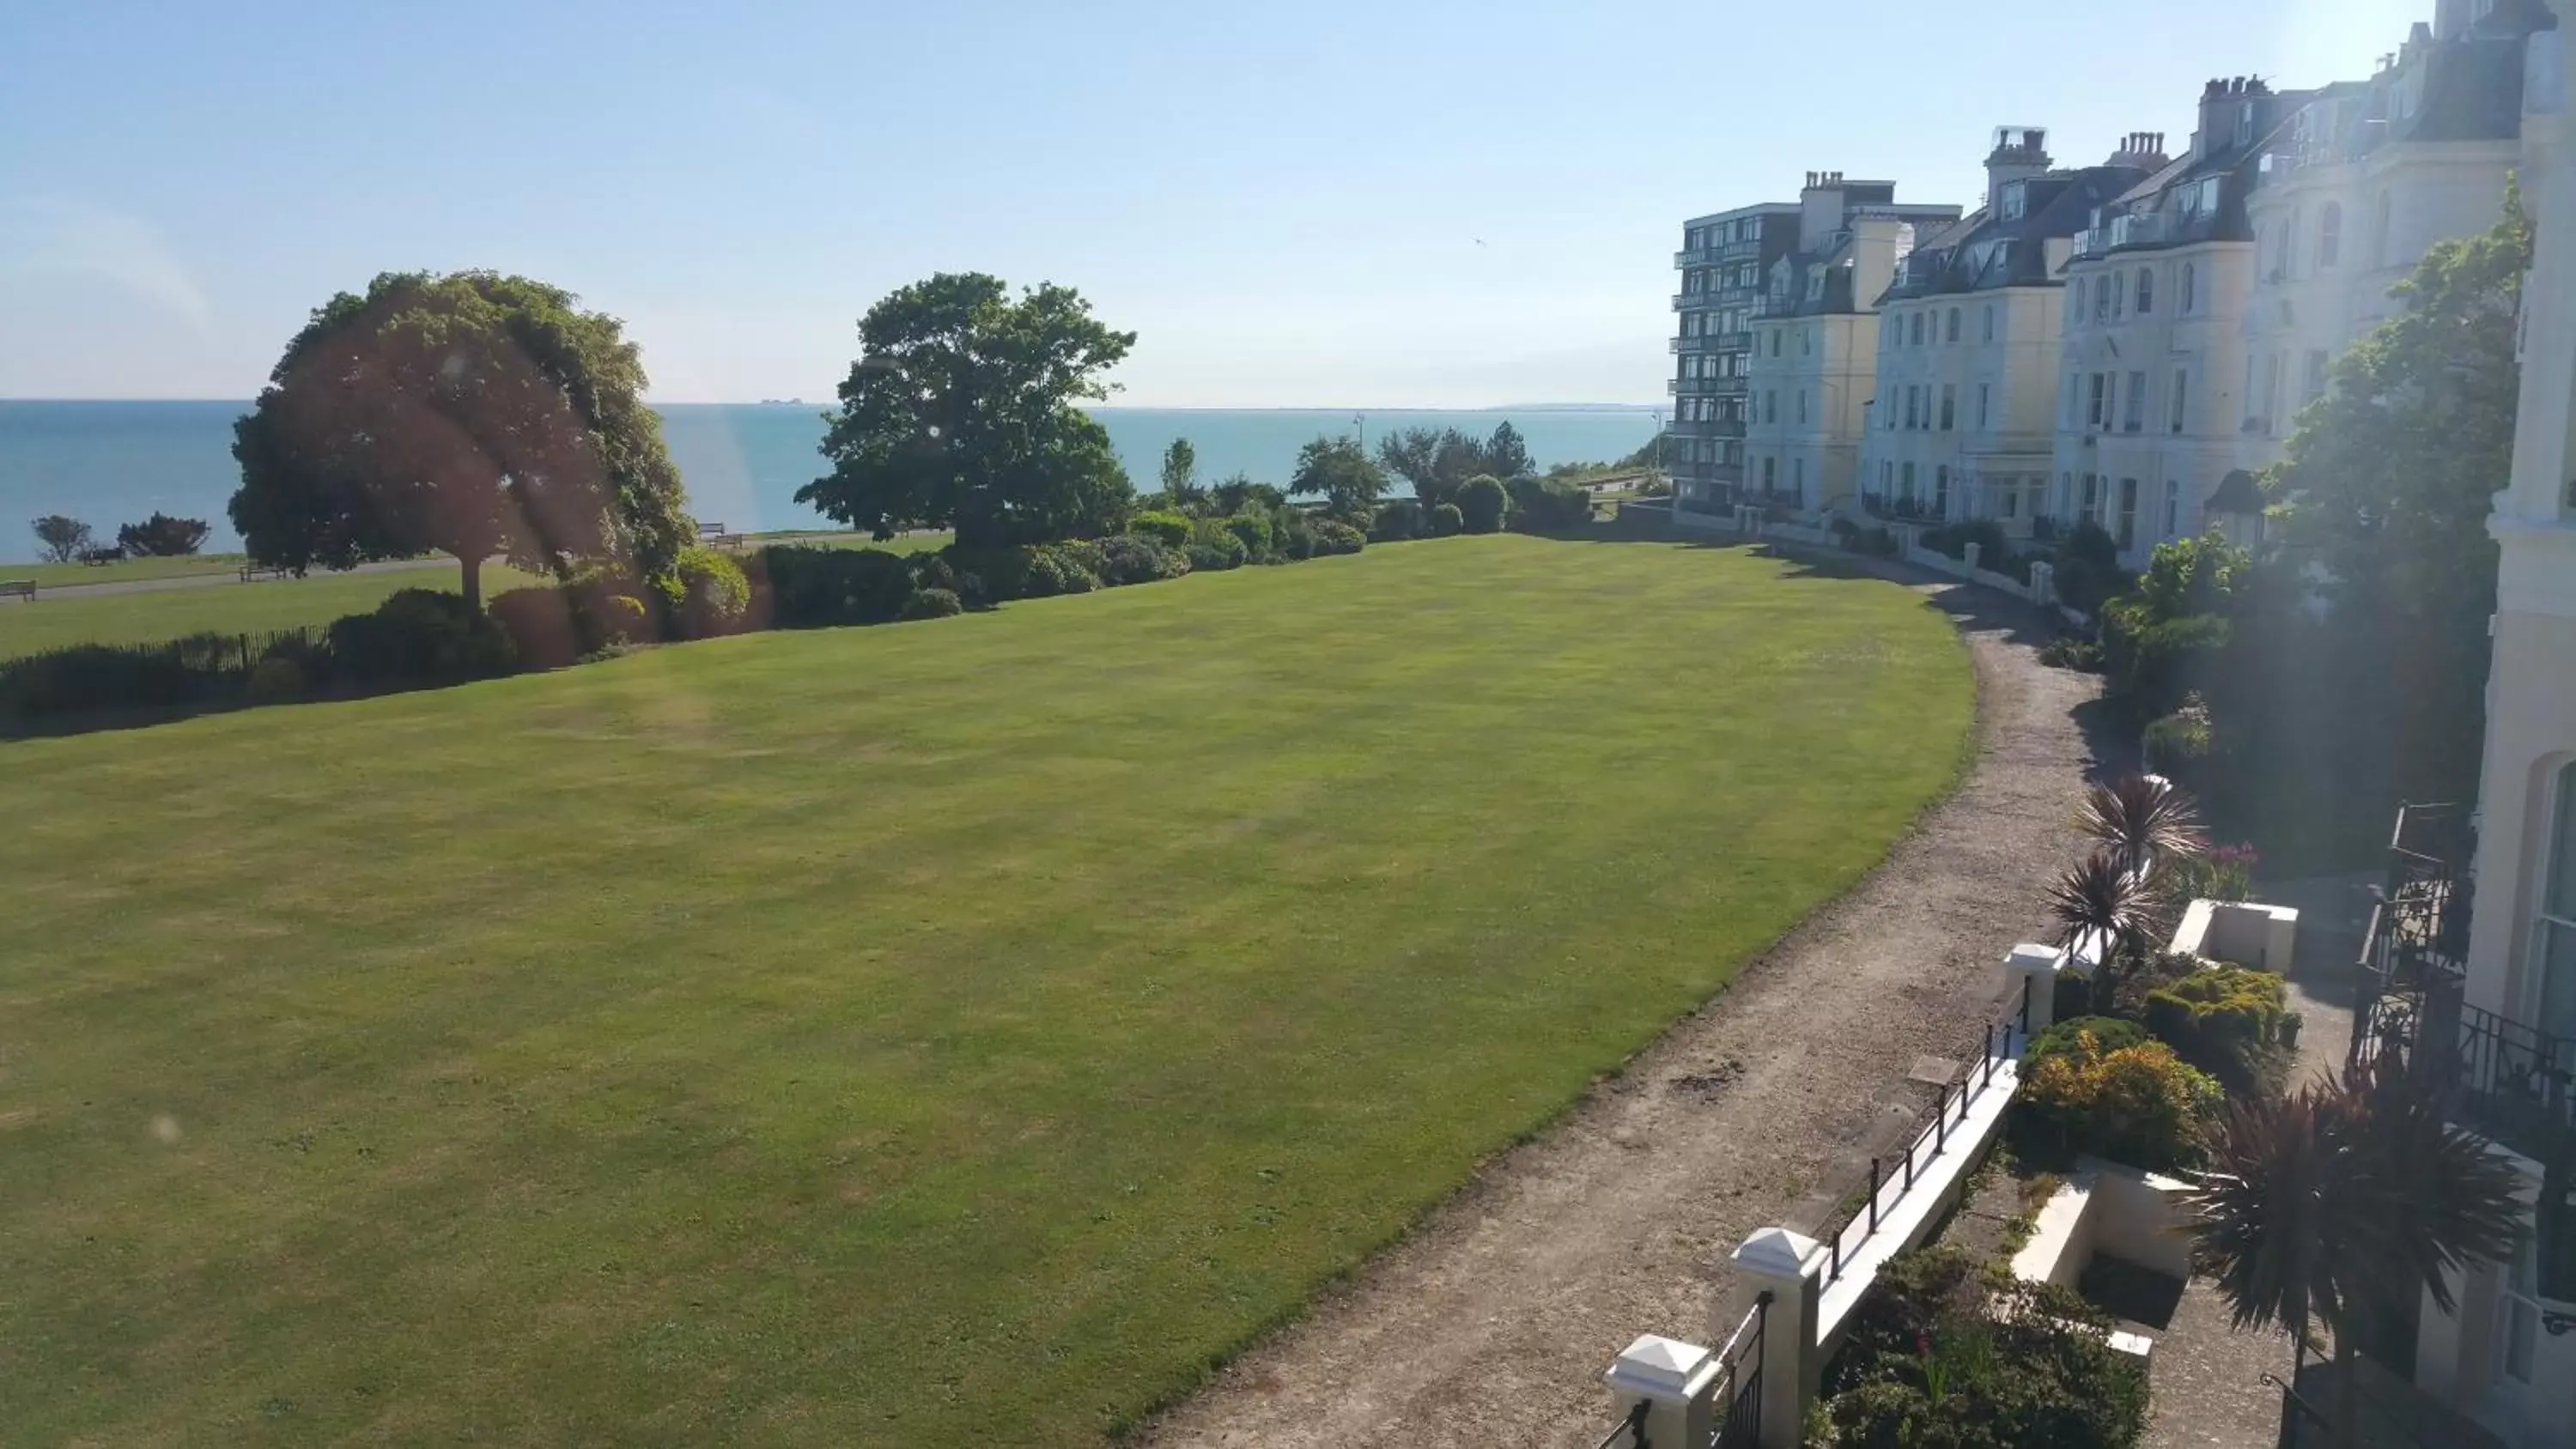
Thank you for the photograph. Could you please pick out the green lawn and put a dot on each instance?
(54, 620)
(887, 1036)
(57, 619)
(56, 575)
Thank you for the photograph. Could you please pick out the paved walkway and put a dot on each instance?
(1492, 1324)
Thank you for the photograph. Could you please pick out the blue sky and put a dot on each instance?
(1284, 201)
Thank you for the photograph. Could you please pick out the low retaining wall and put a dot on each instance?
(2241, 933)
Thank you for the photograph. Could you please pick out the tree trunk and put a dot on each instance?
(471, 566)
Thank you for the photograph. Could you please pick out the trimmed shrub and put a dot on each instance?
(1253, 531)
(800, 587)
(1296, 536)
(2088, 568)
(933, 571)
(1209, 558)
(2141, 1105)
(1548, 505)
(540, 623)
(714, 594)
(1447, 521)
(1332, 536)
(1062, 568)
(89, 678)
(1483, 503)
(1136, 559)
(1165, 527)
(2224, 1020)
(2070, 651)
(276, 681)
(1398, 521)
(419, 636)
(932, 604)
(1996, 1364)
(2062, 1039)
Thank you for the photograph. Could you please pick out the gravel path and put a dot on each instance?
(1492, 1324)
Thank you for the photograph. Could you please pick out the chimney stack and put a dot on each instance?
(2021, 152)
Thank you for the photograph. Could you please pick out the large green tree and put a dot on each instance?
(1335, 470)
(1181, 488)
(471, 413)
(1437, 462)
(2387, 485)
(963, 412)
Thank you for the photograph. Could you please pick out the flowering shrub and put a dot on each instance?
(2141, 1104)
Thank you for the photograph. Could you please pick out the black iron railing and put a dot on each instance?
(1629, 1432)
(1739, 1401)
(1890, 1180)
(2414, 959)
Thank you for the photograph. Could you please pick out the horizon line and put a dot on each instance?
(1517, 407)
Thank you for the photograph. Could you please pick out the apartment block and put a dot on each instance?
(1961, 423)
(2358, 183)
(1815, 338)
(2153, 333)
(1723, 261)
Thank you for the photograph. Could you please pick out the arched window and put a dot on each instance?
(2330, 236)
(1914, 331)
(2119, 296)
(2146, 290)
(2101, 299)
(2379, 256)
(1990, 321)
(1950, 333)
(2190, 281)
(2555, 948)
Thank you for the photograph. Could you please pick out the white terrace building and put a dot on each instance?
(2154, 333)
(2498, 1019)
(2359, 182)
(1815, 339)
(1966, 377)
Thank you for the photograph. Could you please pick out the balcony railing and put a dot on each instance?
(2510, 1081)
(2147, 230)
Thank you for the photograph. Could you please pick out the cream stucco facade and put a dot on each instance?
(2147, 401)
(2508, 1356)
(1965, 390)
(1815, 341)
(2352, 192)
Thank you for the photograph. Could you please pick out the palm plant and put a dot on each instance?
(2142, 819)
(2319, 1203)
(2110, 905)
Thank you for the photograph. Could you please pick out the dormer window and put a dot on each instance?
(2014, 200)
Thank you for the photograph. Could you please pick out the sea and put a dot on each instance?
(108, 463)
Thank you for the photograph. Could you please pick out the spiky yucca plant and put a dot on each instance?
(2108, 903)
(2142, 819)
(2326, 1199)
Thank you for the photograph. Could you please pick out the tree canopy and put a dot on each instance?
(1439, 461)
(473, 414)
(162, 536)
(64, 538)
(962, 412)
(1181, 488)
(1336, 470)
(2380, 510)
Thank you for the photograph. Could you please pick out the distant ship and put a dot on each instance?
(782, 402)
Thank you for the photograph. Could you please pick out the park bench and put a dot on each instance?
(717, 534)
(252, 573)
(18, 589)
